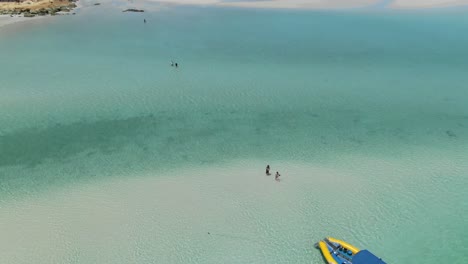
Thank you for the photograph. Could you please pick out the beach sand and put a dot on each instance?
(7, 19)
(415, 4)
(297, 4)
(225, 213)
(33, 6)
(271, 4)
(148, 218)
(320, 4)
(166, 218)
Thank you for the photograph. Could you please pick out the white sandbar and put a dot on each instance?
(298, 4)
(415, 4)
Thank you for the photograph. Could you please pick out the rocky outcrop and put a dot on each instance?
(133, 10)
(40, 8)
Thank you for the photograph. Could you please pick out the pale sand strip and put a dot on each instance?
(303, 4)
(7, 19)
(317, 4)
(110, 215)
(297, 4)
(415, 4)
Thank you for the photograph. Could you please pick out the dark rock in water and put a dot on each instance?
(133, 10)
(42, 12)
(450, 133)
(96, 4)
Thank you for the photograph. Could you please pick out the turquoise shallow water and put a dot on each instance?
(378, 99)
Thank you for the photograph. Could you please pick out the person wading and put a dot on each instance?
(277, 176)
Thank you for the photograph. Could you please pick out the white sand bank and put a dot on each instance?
(299, 4)
(166, 218)
(415, 4)
(319, 4)
(7, 19)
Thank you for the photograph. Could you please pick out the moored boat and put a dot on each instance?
(336, 251)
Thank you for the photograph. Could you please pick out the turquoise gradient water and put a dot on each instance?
(380, 97)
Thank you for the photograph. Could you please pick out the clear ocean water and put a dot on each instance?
(110, 155)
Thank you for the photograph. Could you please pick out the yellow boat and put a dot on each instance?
(336, 251)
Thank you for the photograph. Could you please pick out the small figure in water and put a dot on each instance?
(267, 170)
(277, 176)
(144, 20)
(176, 65)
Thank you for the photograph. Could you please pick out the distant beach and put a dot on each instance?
(43, 7)
(288, 4)
(414, 4)
(320, 4)
(56, 6)
(7, 19)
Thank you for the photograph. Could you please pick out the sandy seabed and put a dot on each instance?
(231, 213)
(166, 218)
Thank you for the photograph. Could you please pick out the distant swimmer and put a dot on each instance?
(277, 176)
(144, 20)
(267, 170)
(176, 65)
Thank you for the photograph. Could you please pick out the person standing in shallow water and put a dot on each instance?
(144, 20)
(267, 170)
(277, 176)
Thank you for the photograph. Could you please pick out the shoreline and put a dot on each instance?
(218, 204)
(275, 4)
(11, 19)
(206, 198)
(6, 20)
(39, 8)
(319, 4)
(12, 12)
(425, 4)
